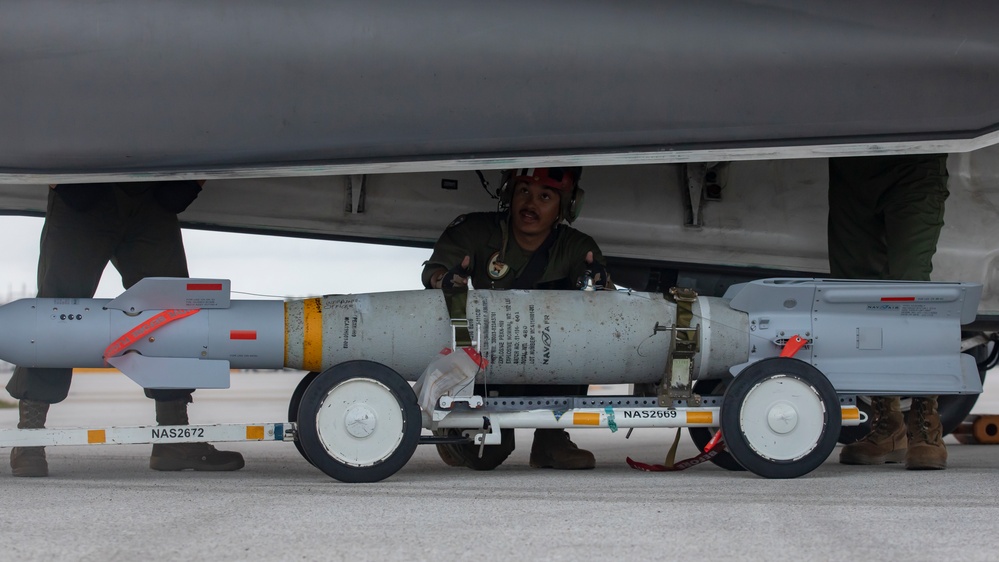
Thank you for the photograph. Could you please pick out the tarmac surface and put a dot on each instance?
(104, 503)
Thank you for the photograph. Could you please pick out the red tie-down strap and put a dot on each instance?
(144, 329)
(793, 345)
(711, 450)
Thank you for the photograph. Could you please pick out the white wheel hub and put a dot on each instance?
(782, 418)
(360, 422)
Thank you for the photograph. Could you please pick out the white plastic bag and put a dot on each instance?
(446, 375)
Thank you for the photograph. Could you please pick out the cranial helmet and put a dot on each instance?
(563, 180)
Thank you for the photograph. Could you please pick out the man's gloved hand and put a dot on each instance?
(595, 277)
(457, 276)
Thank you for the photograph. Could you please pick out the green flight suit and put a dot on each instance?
(885, 215)
(481, 236)
(132, 225)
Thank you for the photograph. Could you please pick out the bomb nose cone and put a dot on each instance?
(17, 332)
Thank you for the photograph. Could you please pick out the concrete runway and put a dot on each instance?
(104, 503)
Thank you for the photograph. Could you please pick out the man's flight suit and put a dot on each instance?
(885, 217)
(86, 226)
(497, 262)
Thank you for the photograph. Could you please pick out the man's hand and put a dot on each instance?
(456, 277)
(595, 273)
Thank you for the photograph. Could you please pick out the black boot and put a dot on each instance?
(184, 456)
(553, 449)
(30, 461)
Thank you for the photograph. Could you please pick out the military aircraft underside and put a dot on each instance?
(140, 88)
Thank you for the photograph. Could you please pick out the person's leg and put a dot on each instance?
(856, 235)
(552, 448)
(858, 249)
(74, 250)
(886, 443)
(171, 410)
(30, 461)
(154, 247)
(914, 211)
(926, 447)
(152, 244)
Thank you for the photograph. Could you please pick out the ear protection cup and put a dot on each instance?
(575, 205)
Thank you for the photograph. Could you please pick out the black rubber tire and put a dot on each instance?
(314, 402)
(492, 455)
(702, 435)
(769, 370)
(953, 408)
(295, 403)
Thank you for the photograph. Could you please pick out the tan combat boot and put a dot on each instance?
(553, 449)
(187, 456)
(886, 443)
(30, 461)
(926, 446)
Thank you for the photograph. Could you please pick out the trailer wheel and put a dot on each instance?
(780, 418)
(359, 422)
(702, 435)
(296, 402)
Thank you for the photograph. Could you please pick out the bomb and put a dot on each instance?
(188, 333)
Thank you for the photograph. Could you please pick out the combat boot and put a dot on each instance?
(30, 461)
(553, 449)
(187, 456)
(886, 443)
(926, 447)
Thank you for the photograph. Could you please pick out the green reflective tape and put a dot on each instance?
(610, 419)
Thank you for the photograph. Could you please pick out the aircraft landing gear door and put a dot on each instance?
(780, 418)
(359, 422)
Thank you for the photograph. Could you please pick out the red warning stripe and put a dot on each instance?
(204, 286)
(242, 334)
(897, 299)
(144, 329)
